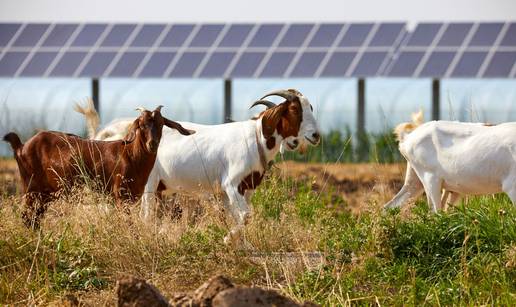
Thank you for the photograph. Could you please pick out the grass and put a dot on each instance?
(344, 146)
(464, 257)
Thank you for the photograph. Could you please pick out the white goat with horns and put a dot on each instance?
(231, 158)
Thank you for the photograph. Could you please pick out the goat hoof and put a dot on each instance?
(232, 237)
(246, 218)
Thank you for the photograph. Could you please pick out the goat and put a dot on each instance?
(50, 158)
(115, 130)
(231, 157)
(461, 158)
(412, 186)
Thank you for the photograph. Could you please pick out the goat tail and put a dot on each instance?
(92, 117)
(14, 140)
(403, 129)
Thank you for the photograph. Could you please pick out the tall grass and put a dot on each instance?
(347, 147)
(464, 257)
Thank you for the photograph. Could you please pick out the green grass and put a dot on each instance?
(466, 256)
(346, 147)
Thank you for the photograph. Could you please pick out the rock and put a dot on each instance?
(203, 296)
(183, 300)
(207, 291)
(252, 297)
(136, 292)
(218, 291)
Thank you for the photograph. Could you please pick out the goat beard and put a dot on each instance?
(302, 148)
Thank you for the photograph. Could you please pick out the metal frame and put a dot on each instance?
(95, 94)
(361, 100)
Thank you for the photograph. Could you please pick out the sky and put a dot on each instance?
(256, 11)
(48, 103)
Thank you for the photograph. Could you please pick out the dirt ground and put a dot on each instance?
(360, 185)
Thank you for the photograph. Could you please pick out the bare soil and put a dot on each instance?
(361, 185)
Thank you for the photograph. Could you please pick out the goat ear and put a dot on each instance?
(131, 132)
(272, 117)
(172, 124)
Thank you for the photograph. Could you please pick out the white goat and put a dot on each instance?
(116, 130)
(233, 157)
(461, 158)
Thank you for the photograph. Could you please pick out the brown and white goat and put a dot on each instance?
(231, 158)
(50, 158)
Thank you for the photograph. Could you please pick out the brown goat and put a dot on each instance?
(50, 158)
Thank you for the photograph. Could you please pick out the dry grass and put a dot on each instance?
(306, 239)
(359, 184)
(83, 232)
(85, 243)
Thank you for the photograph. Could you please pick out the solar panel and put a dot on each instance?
(118, 35)
(68, 64)
(510, 36)
(296, 35)
(206, 36)
(147, 36)
(486, 34)
(455, 34)
(338, 64)
(308, 64)
(356, 35)
(424, 34)
(31, 35)
(7, 32)
(177, 35)
(369, 64)
(11, 61)
(387, 34)
(437, 64)
(127, 64)
(217, 64)
(325, 35)
(236, 35)
(59, 35)
(187, 64)
(258, 50)
(501, 64)
(38, 64)
(406, 64)
(469, 64)
(89, 35)
(278, 63)
(247, 64)
(157, 64)
(266, 35)
(97, 64)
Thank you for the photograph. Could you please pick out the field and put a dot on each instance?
(317, 233)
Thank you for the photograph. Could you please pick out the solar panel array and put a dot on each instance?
(258, 50)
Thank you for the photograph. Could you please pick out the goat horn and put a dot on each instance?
(159, 108)
(289, 95)
(268, 104)
(141, 109)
